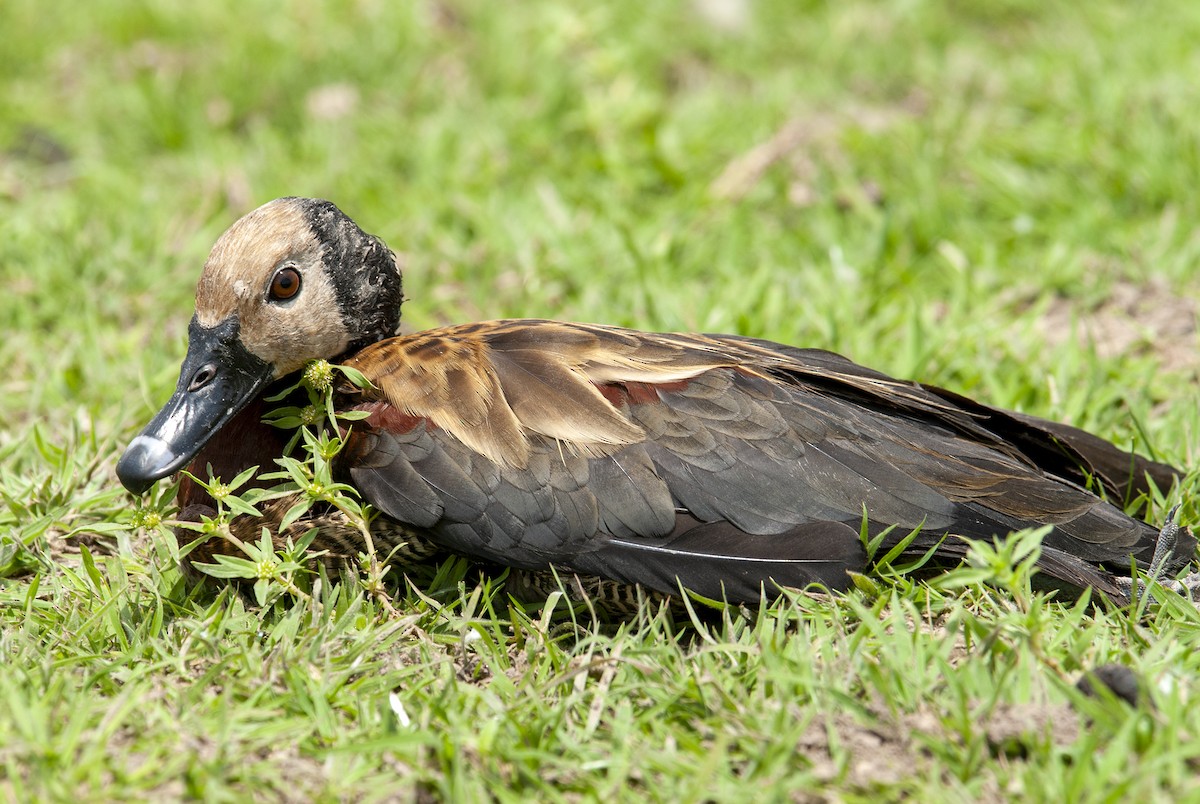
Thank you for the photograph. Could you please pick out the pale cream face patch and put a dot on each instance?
(236, 281)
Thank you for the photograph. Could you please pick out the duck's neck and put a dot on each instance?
(243, 442)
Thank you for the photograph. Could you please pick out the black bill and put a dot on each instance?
(219, 377)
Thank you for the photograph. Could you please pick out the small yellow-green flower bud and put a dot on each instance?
(146, 518)
(318, 376)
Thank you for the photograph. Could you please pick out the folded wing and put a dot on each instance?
(721, 464)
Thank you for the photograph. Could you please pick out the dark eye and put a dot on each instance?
(285, 284)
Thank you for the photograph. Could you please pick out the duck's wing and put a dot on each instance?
(1058, 449)
(717, 463)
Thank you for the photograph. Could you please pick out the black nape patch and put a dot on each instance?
(363, 271)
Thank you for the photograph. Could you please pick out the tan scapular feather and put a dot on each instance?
(493, 386)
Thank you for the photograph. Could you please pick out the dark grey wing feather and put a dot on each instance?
(719, 561)
(1058, 449)
(1123, 475)
(385, 475)
(633, 499)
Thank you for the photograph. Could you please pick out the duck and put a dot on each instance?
(720, 465)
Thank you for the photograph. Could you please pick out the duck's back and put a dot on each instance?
(717, 462)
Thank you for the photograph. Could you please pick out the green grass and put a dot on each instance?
(959, 192)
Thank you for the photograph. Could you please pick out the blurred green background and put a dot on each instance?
(939, 189)
(998, 196)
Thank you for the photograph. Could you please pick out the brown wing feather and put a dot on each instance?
(494, 385)
(534, 443)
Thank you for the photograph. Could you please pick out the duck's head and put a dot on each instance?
(293, 281)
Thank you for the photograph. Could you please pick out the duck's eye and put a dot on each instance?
(285, 284)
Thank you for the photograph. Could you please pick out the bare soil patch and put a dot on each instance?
(1143, 318)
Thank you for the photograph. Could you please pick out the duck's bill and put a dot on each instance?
(219, 378)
